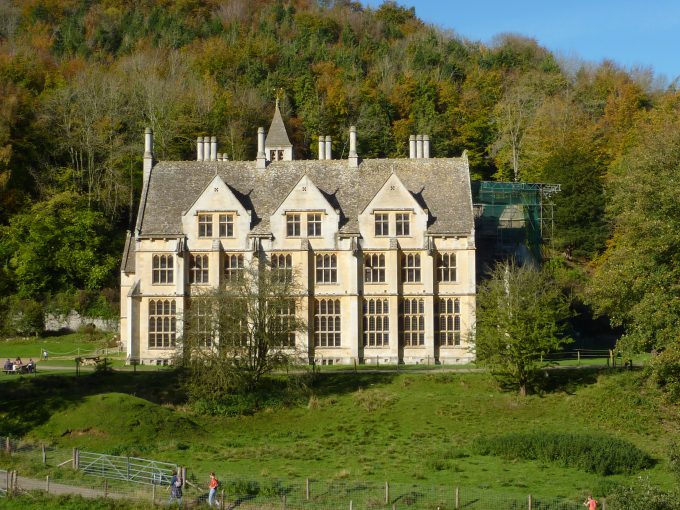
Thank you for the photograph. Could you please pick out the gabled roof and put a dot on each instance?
(440, 185)
(277, 135)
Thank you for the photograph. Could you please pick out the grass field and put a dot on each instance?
(397, 427)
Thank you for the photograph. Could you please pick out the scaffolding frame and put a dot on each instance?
(514, 212)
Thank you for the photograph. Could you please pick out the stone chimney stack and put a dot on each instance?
(261, 158)
(419, 146)
(426, 146)
(199, 148)
(412, 147)
(213, 148)
(148, 153)
(322, 147)
(353, 157)
(328, 148)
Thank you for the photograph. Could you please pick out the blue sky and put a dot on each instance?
(629, 32)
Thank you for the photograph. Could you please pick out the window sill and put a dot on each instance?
(386, 346)
(161, 348)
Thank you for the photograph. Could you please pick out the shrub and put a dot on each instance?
(592, 453)
(643, 496)
(371, 400)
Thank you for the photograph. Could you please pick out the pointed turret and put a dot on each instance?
(277, 146)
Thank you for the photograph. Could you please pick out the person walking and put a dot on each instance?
(176, 488)
(212, 485)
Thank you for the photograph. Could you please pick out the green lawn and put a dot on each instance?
(63, 346)
(396, 427)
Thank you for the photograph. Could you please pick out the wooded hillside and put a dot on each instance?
(80, 79)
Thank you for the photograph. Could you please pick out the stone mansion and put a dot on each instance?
(384, 249)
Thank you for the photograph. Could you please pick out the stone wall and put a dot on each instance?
(73, 322)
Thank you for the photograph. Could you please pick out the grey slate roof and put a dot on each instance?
(440, 185)
(127, 265)
(277, 136)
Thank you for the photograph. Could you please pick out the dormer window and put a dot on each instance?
(403, 224)
(293, 225)
(382, 224)
(205, 227)
(314, 225)
(226, 225)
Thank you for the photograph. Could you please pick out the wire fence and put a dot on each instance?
(90, 474)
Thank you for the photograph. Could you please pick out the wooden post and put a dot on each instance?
(578, 357)
(8, 445)
(44, 455)
(127, 475)
(530, 507)
(350, 504)
(604, 503)
(307, 489)
(153, 493)
(284, 502)
(387, 492)
(73, 459)
(106, 488)
(457, 505)
(222, 500)
(47, 484)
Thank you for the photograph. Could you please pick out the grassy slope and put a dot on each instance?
(402, 428)
(68, 345)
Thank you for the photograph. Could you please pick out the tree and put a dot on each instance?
(236, 334)
(521, 315)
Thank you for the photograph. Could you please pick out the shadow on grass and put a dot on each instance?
(28, 402)
(568, 380)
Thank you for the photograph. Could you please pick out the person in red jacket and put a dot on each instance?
(213, 489)
(591, 503)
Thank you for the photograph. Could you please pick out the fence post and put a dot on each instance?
(44, 455)
(387, 492)
(578, 357)
(307, 489)
(106, 488)
(604, 503)
(153, 493)
(530, 507)
(457, 505)
(73, 459)
(8, 445)
(350, 504)
(222, 499)
(284, 502)
(127, 474)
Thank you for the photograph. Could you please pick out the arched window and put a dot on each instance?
(327, 323)
(446, 267)
(448, 321)
(162, 323)
(162, 269)
(412, 321)
(410, 267)
(198, 269)
(374, 268)
(282, 267)
(376, 322)
(232, 267)
(326, 268)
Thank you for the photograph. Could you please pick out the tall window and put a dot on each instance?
(293, 225)
(448, 323)
(382, 224)
(327, 323)
(446, 267)
(410, 267)
(326, 268)
(233, 266)
(285, 322)
(376, 322)
(202, 321)
(314, 224)
(403, 224)
(374, 268)
(412, 319)
(162, 270)
(198, 269)
(205, 225)
(162, 323)
(282, 267)
(234, 323)
(226, 225)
